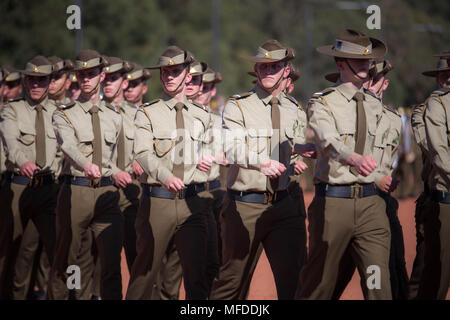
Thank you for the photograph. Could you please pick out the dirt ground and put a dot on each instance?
(263, 286)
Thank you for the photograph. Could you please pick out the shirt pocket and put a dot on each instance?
(163, 142)
(110, 137)
(258, 140)
(27, 134)
(85, 138)
(51, 133)
(347, 131)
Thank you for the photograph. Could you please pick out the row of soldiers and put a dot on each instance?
(97, 174)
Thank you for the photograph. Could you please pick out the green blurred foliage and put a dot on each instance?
(140, 30)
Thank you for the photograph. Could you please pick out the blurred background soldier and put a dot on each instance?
(137, 84)
(13, 84)
(74, 88)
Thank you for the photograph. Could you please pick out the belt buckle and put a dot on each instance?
(182, 193)
(95, 184)
(208, 186)
(355, 191)
(269, 197)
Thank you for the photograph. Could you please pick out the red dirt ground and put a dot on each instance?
(263, 287)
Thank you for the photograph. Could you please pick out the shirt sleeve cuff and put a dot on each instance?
(163, 175)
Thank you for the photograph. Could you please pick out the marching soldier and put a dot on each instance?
(346, 210)
(31, 147)
(137, 84)
(259, 211)
(435, 280)
(13, 84)
(168, 142)
(88, 200)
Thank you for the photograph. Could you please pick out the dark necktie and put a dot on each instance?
(272, 186)
(97, 143)
(178, 166)
(361, 127)
(121, 147)
(40, 137)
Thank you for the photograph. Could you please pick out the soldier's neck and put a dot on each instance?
(58, 97)
(179, 96)
(115, 101)
(93, 98)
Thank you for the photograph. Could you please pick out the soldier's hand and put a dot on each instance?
(221, 159)
(122, 179)
(300, 167)
(307, 150)
(174, 184)
(394, 184)
(205, 163)
(137, 169)
(91, 171)
(385, 184)
(28, 168)
(364, 165)
(272, 169)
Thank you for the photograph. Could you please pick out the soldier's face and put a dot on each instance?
(88, 79)
(269, 74)
(12, 90)
(208, 91)
(444, 79)
(37, 86)
(59, 80)
(359, 66)
(113, 84)
(135, 90)
(378, 85)
(194, 87)
(174, 78)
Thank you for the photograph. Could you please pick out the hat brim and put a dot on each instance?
(101, 65)
(265, 60)
(379, 50)
(442, 55)
(158, 66)
(33, 74)
(434, 73)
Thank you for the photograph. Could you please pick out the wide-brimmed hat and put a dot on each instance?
(271, 51)
(11, 74)
(39, 66)
(198, 68)
(211, 76)
(138, 72)
(173, 56)
(115, 64)
(380, 67)
(353, 44)
(60, 64)
(87, 59)
(442, 66)
(445, 54)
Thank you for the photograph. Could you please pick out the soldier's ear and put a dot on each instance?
(385, 84)
(144, 89)
(125, 84)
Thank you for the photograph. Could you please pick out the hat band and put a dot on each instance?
(87, 64)
(352, 48)
(208, 77)
(113, 68)
(44, 69)
(135, 75)
(442, 64)
(12, 76)
(169, 61)
(58, 66)
(196, 68)
(275, 54)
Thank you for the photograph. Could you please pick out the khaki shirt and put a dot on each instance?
(19, 132)
(437, 126)
(73, 126)
(2, 149)
(155, 137)
(128, 113)
(418, 128)
(332, 117)
(249, 137)
(214, 138)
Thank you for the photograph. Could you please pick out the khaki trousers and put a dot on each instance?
(159, 223)
(334, 225)
(247, 228)
(81, 213)
(435, 280)
(19, 204)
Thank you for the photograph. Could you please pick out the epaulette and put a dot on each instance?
(113, 108)
(64, 106)
(392, 110)
(323, 93)
(16, 99)
(241, 95)
(292, 99)
(373, 94)
(440, 92)
(149, 103)
(195, 103)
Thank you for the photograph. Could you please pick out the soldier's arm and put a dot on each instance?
(437, 136)
(65, 133)
(112, 163)
(143, 149)
(11, 135)
(418, 127)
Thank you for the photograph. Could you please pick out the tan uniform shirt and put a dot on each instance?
(332, 117)
(248, 138)
(156, 133)
(2, 149)
(215, 138)
(418, 127)
(19, 132)
(75, 133)
(437, 126)
(128, 112)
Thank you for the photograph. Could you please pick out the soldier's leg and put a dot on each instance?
(155, 227)
(241, 249)
(331, 223)
(371, 244)
(42, 273)
(219, 197)
(347, 268)
(422, 207)
(285, 244)
(129, 204)
(25, 261)
(170, 275)
(97, 272)
(107, 226)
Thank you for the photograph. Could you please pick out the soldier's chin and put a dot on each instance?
(267, 84)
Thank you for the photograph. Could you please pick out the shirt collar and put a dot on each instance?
(264, 95)
(33, 104)
(86, 105)
(347, 91)
(171, 102)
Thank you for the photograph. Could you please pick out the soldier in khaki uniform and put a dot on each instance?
(263, 126)
(13, 84)
(31, 147)
(88, 200)
(346, 210)
(137, 84)
(168, 146)
(435, 280)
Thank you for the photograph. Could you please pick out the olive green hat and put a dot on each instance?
(271, 51)
(11, 74)
(442, 66)
(173, 56)
(198, 68)
(353, 44)
(87, 59)
(115, 64)
(211, 76)
(380, 67)
(39, 66)
(60, 64)
(137, 72)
